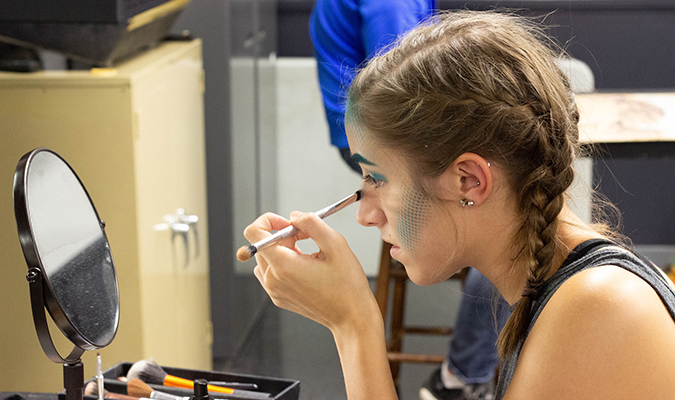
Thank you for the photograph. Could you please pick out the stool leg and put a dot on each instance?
(382, 297)
(383, 276)
(397, 315)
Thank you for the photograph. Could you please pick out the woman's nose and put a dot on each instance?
(369, 212)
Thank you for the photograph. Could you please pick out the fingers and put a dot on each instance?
(299, 235)
(310, 225)
(261, 227)
(261, 274)
(257, 271)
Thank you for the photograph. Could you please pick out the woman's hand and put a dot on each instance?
(331, 288)
(328, 286)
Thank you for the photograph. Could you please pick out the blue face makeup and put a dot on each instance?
(374, 179)
(378, 177)
(359, 159)
(370, 177)
(414, 209)
(414, 213)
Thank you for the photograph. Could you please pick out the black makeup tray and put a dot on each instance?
(280, 389)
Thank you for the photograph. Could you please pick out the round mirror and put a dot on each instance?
(62, 235)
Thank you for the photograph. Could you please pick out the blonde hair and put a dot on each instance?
(486, 83)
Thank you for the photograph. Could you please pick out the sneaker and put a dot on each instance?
(433, 389)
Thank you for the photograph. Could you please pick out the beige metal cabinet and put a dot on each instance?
(135, 136)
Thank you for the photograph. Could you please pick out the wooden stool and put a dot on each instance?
(391, 269)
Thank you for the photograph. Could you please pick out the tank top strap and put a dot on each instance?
(585, 248)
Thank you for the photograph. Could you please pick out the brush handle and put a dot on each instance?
(239, 394)
(275, 238)
(175, 381)
(291, 230)
(99, 377)
(235, 385)
(335, 207)
(157, 395)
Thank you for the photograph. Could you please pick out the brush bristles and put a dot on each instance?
(147, 371)
(244, 253)
(91, 389)
(138, 388)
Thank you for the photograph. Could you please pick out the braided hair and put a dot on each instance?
(485, 83)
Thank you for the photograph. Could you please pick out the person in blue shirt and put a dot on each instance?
(345, 34)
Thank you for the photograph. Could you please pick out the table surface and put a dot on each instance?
(629, 124)
(626, 117)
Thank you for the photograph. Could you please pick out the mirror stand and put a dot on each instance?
(73, 380)
(73, 369)
(70, 267)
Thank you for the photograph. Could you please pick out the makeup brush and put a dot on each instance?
(91, 389)
(99, 377)
(246, 252)
(138, 388)
(151, 372)
(235, 385)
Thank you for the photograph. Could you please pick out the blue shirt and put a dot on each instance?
(345, 33)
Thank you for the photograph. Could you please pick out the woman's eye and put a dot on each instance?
(372, 181)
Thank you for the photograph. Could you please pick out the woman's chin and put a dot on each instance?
(421, 275)
(422, 279)
(422, 271)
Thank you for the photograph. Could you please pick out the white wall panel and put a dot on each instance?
(310, 172)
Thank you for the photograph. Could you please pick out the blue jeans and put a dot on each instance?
(472, 355)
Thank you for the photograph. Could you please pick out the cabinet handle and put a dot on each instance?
(191, 221)
(180, 225)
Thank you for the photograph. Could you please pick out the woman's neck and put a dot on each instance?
(510, 276)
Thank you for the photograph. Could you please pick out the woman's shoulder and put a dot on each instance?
(603, 331)
(600, 307)
(603, 286)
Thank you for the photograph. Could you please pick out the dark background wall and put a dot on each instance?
(629, 45)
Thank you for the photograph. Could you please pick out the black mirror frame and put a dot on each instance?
(42, 295)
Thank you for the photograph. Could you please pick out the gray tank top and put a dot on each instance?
(589, 254)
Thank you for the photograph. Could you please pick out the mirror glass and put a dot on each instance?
(73, 252)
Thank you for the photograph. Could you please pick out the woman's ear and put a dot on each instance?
(467, 180)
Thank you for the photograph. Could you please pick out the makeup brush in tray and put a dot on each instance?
(146, 379)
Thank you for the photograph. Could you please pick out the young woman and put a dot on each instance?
(466, 132)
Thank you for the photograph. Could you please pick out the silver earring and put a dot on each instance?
(465, 202)
(477, 183)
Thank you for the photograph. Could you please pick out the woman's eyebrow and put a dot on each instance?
(359, 159)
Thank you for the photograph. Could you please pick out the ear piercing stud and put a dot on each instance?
(465, 202)
(463, 179)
